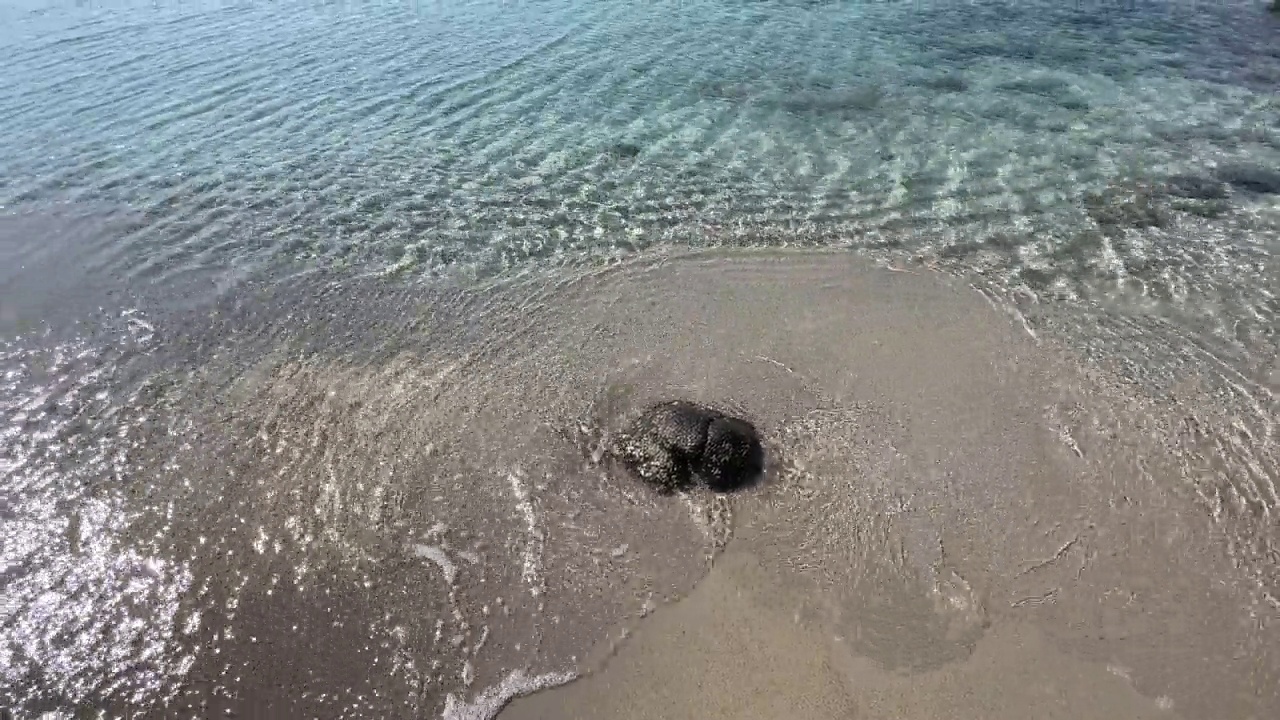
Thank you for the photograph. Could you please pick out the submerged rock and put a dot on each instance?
(858, 98)
(675, 443)
(1253, 178)
(1194, 187)
(622, 150)
(1118, 208)
(949, 82)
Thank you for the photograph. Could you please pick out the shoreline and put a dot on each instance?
(373, 476)
(729, 651)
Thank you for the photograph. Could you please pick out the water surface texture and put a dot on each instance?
(312, 315)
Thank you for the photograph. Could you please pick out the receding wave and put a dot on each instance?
(391, 481)
(315, 315)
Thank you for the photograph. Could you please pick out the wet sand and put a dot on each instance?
(732, 650)
(392, 488)
(969, 522)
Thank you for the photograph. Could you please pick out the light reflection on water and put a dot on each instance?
(84, 613)
(1113, 161)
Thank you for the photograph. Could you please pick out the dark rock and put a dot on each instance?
(1252, 178)
(1115, 209)
(1209, 209)
(1059, 91)
(624, 150)
(725, 90)
(1072, 102)
(1078, 249)
(1195, 187)
(1047, 86)
(675, 443)
(858, 98)
(961, 249)
(1037, 279)
(951, 82)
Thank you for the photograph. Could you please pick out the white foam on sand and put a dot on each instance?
(533, 548)
(438, 556)
(490, 702)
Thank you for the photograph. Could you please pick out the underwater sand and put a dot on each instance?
(302, 305)
(731, 650)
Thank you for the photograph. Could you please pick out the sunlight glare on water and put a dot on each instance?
(315, 316)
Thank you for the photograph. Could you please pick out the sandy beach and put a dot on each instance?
(317, 322)
(731, 650)
(947, 536)
(959, 516)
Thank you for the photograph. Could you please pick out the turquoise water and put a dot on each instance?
(429, 136)
(1117, 160)
(1034, 141)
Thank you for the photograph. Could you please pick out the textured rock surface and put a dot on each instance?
(675, 443)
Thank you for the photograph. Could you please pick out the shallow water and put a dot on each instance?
(277, 441)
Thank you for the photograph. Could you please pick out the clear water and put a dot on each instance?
(1110, 170)
(488, 134)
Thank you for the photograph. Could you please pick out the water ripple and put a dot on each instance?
(1113, 160)
(84, 615)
